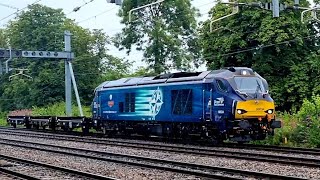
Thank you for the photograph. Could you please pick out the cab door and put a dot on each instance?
(220, 101)
(96, 106)
(207, 102)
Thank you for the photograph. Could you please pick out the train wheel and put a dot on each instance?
(106, 131)
(14, 125)
(85, 130)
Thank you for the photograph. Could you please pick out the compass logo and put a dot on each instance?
(156, 102)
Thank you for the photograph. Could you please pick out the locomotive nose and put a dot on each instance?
(254, 109)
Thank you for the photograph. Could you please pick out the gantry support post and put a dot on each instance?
(68, 94)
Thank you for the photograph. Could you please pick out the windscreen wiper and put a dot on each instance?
(242, 93)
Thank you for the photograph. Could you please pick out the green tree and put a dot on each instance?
(280, 49)
(3, 38)
(166, 33)
(115, 68)
(42, 28)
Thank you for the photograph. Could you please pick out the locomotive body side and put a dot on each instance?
(212, 104)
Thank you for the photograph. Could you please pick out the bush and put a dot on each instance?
(301, 128)
(289, 124)
(3, 119)
(58, 109)
(309, 116)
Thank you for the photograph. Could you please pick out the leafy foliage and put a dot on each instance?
(301, 128)
(42, 28)
(58, 109)
(3, 119)
(280, 49)
(166, 33)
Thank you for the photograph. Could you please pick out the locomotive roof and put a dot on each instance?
(177, 77)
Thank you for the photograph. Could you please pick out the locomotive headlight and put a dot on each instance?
(241, 111)
(244, 72)
(270, 111)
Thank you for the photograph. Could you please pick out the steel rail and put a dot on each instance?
(312, 151)
(299, 161)
(62, 169)
(17, 174)
(180, 167)
(103, 141)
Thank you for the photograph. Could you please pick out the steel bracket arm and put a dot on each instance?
(234, 11)
(141, 7)
(313, 14)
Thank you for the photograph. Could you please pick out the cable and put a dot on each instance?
(76, 9)
(95, 15)
(263, 46)
(8, 6)
(206, 4)
(20, 98)
(37, 1)
(113, 30)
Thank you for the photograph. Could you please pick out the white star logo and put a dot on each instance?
(156, 102)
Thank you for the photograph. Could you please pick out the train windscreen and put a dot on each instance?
(249, 84)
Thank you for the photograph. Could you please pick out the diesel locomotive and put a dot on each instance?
(232, 103)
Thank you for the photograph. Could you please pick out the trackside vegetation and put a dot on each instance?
(58, 109)
(299, 129)
(282, 50)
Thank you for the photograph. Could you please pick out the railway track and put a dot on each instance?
(198, 170)
(76, 138)
(283, 159)
(32, 170)
(10, 174)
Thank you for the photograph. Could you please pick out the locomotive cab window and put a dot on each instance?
(249, 84)
(221, 86)
(181, 101)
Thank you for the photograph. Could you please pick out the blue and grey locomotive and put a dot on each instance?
(231, 103)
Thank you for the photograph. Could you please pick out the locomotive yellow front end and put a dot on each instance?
(254, 111)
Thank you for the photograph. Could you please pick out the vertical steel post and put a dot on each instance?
(211, 101)
(7, 61)
(67, 43)
(75, 88)
(203, 106)
(275, 8)
(1, 68)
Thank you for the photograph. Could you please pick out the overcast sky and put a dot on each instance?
(95, 15)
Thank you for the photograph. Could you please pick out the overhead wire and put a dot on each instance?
(226, 54)
(77, 8)
(37, 1)
(103, 12)
(9, 6)
(12, 99)
(264, 46)
(222, 55)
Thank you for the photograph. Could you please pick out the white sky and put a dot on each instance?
(95, 15)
